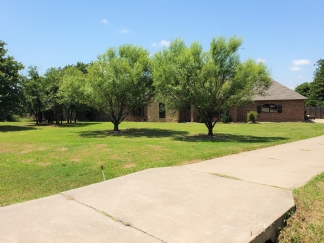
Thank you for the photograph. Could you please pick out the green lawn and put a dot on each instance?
(36, 161)
(307, 224)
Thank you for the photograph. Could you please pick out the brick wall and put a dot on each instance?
(292, 110)
(153, 114)
(131, 117)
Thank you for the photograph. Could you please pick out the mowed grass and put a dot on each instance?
(37, 161)
(307, 223)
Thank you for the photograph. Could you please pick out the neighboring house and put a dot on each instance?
(279, 104)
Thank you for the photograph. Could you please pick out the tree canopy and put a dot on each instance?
(72, 91)
(11, 98)
(211, 81)
(314, 90)
(120, 81)
(317, 86)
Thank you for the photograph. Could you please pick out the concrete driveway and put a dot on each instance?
(237, 198)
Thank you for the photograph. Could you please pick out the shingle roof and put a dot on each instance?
(278, 91)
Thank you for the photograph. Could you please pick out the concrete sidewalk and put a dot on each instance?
(288, 166)
(175, 204)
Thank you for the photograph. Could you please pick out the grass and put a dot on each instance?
(37, 161)
(307, 223)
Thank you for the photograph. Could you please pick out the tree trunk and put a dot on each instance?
(40, 117)
(209, 125)
(36, 117)
(71, 116)
(210, 131)
(75, 118)
(116, 127)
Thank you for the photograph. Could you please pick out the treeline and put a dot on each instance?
(45, 97)
(314, 90)
(125, 78)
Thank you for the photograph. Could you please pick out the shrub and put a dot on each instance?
(252, 116)
(226, 118)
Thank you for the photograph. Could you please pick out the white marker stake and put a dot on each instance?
(103, 173)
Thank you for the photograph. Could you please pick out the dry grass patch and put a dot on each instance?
(5, 150)
(43, 163)
(129, 165)
(156, 148)
(62, 149)
(100, 146)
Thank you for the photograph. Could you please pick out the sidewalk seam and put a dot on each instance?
(109, 216)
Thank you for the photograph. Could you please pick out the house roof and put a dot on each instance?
(278, 91)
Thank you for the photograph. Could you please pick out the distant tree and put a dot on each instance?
(213, 81)
(317, 86)
(72, 91)
(34, 92)
(305, 90)
(53, 104)
(11, 95)
(120, 81)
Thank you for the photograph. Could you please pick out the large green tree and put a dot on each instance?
(317, 86)
(11, 97)
(212, 81)
(120, 81)
(34, 92)
(314, 90)
(305, 90)
(53, 102)
(72, 90)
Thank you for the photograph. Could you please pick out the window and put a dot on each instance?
(259, 108)
(269, 108)
(161, 110)
(137, 111)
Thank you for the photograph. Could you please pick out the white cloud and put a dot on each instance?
(104, 21)
(294, 68)
(300, 76)
(162, 43)
(261, 60)
(300, 62)
(124, 31)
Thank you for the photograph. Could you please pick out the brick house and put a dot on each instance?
(279, 104)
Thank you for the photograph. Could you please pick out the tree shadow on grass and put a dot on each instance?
(223, 137)
(78, 124)
(179, 136)
(133, 132)
(10, 128)
(68, 125)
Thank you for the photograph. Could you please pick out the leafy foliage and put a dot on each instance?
(72, 91)
(317, 86)
(34, 91)
(226, 118)
(11, 97)
(212, 81)
(314, 91)
(252, 116)
(120, 81)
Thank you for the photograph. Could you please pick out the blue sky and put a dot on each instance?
(287, 35)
